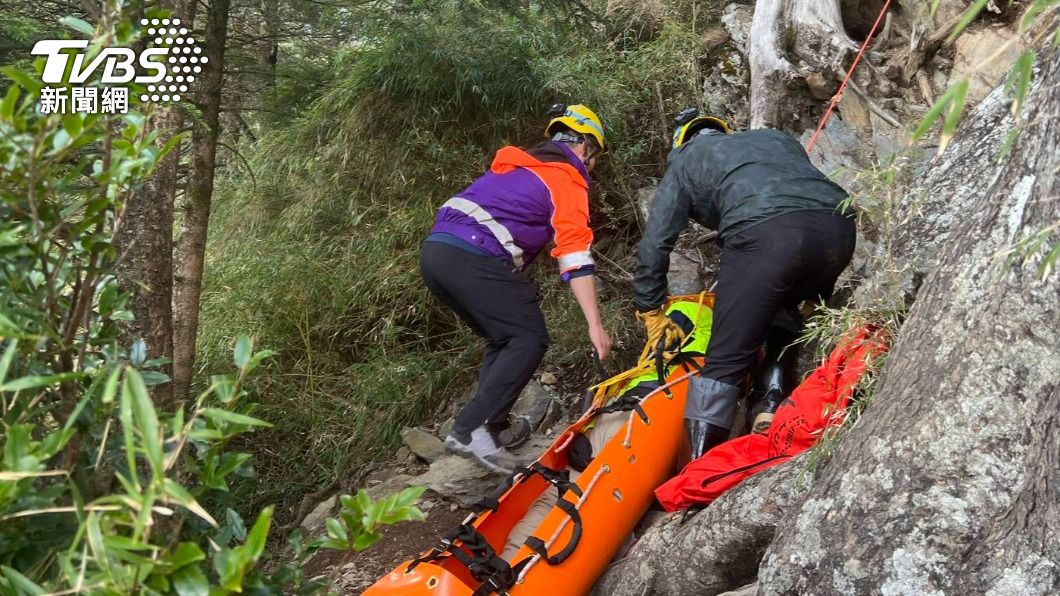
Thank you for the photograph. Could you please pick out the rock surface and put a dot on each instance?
(536, 404)
(391, 485)
(950, 481)
(425, 445)
(714, 550)
(314, 522)
(978, 59)
(465, 482)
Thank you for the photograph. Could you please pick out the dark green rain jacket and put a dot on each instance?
(726, 183)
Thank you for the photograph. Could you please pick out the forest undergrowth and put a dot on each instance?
(315, 238)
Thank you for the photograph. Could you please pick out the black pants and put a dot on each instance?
(766, 271)
(499, 305)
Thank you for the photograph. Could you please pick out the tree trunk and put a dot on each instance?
(270, 11)
(798, 52)
(196, 207)
(950, 481)
(145, 246)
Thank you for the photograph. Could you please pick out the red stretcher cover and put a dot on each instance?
(816, 404)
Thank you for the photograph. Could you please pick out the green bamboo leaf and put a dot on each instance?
(222, 386)
(128, 429)
(216, 414)
(154, 377)
(230, 462)
(953, 117)
(78, 25)
(30, 84)
(244, 348)
(206, 434)
(172, 143)
(7, 326)
(966, 19)
(181, 496)
(1019, 80)
(934, 112)
(40, 381)
(21, 583)
(147, 420)
(255, 543)
(7, 107)
(5, 361)
(1033, 11)
(110, 389)
(229, 567)
(96, 544)
(935, 7)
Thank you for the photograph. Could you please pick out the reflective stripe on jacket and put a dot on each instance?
(520, 205)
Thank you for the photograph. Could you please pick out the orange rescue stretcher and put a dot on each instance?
(582, 533)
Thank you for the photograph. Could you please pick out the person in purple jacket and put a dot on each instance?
(474, 260)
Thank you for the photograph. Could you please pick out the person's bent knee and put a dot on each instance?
(532, 345)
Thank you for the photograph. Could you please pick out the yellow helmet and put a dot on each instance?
(691, 121)
(578, 118)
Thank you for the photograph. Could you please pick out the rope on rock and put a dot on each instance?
(839, 94)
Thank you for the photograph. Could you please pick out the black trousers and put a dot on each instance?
(766, 271)
(499, 305)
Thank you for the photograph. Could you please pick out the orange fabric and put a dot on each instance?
(568, 191)
(817, 403)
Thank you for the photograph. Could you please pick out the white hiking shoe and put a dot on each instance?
(481, 447)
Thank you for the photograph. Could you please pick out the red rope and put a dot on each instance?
(839, 94)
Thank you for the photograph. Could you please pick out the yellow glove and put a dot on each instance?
(659, 326)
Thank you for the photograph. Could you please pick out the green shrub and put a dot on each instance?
(100, 492)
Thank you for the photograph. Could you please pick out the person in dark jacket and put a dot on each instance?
(474, 260)
(784, 238)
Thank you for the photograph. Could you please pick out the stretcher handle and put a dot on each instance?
(538, 546)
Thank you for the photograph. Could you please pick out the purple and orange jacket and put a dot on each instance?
(521, 204)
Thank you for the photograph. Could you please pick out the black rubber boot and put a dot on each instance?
(700, 437)
(775, 379)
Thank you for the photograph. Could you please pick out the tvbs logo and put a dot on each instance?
(167, 67)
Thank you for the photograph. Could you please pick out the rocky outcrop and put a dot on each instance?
(714, 550)
(950, 482)
(464, 482)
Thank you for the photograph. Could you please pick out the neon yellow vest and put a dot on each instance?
(695, 343)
